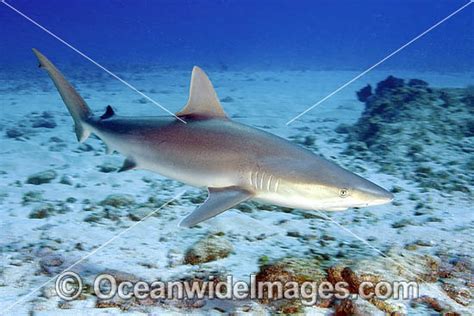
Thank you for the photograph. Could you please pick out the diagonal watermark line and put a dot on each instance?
(380, 62)
(23, 298)
(365, 242)
(91, 60)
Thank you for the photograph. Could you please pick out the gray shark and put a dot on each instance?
(233, 161)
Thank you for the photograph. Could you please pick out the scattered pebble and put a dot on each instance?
(402, 223)
(32, 196)
(67, 180)
(209, 248)
(42, 211)
(118, 200)
(227, 99)
(107, 167)
(42, 177)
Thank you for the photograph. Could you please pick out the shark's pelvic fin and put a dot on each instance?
(218, 201)
(75, 104)
(203, 101)
(128, 164)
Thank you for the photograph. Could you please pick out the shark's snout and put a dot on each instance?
(375, 194)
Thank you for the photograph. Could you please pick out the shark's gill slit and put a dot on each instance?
(277, 183)
(269, 183)
(257, 175)
(262, 180)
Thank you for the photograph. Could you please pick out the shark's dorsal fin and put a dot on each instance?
(203, 101)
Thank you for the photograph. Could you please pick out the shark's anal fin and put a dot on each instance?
(203, 102)
(128, 164)
(218, 201)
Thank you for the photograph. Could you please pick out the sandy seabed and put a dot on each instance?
(78, 201)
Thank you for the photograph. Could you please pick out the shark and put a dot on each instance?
(233, 161)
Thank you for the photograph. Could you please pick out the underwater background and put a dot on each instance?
(407, 125)
(318, 35)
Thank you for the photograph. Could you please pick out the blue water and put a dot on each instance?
(426, 158)
(255, 34)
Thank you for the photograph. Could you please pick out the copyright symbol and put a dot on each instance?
(68, 285)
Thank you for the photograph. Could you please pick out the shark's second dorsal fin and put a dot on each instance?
(203, 101)
(109, 112)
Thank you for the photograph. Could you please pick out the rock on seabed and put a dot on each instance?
(405, 125)
(42, 177)
(210, 248)
(118, 200)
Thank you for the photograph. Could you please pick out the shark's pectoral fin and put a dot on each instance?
(218, 201)
(128, 164)
(203, 102)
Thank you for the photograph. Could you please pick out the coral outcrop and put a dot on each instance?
(418, 132)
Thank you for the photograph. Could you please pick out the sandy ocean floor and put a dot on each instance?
(46, 227)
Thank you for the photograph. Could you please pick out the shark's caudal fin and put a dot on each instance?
(203, 102)
(75, 104)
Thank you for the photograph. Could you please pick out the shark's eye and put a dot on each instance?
(343, 192)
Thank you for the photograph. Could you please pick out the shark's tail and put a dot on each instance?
(75, 104)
